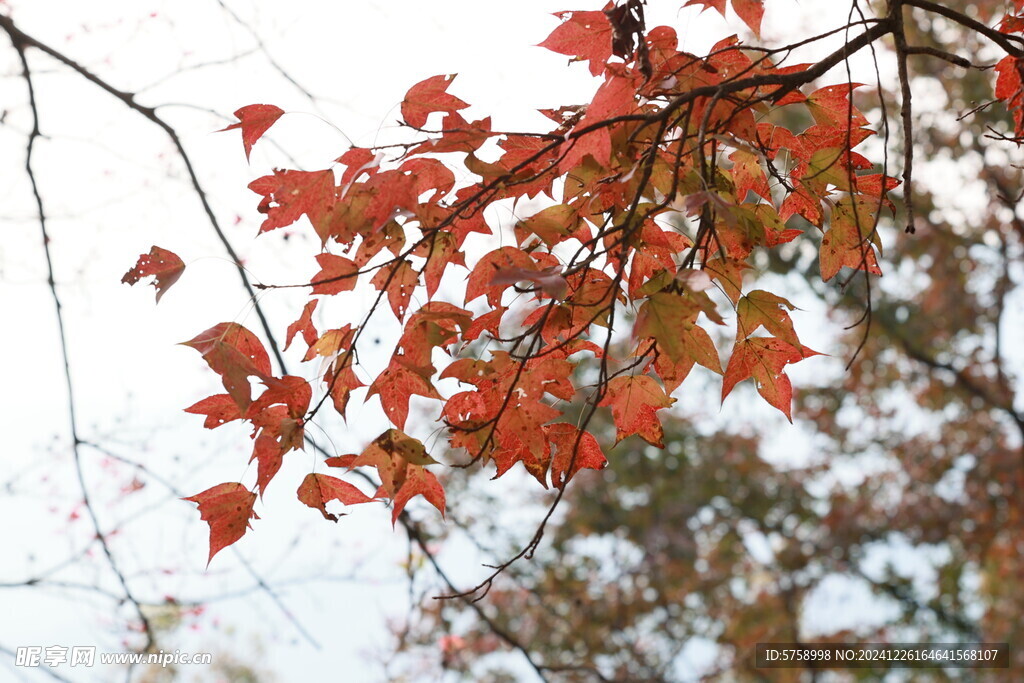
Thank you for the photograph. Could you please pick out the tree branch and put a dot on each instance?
(906, 111)
(1003, 40)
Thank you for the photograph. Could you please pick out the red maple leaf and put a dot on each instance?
(428, 96)
(235, 354)
(705, 4)
(316, 490)
(218, 409)
(573, 450)
(291, 391)
(615, 97)
(331, 343)
(337, 274)
(440, 251)
(277, 433)
(428, 175)
(635, 400)
(436, 324)
(288, 195)
(254, 120)
(481, 278)
(303, 325)
(342, 381)
(763, 359)
(395, 386)
(458, 135)
(552, 225)
(1010, 88)
(399, 460)
(419, 481)
(399, 280)
(850, 238)
(163, 265)
(764, 308)
(830, 106)
(227, 508)
(549, 280)
(751, 12)
(748, 175)
(670, 319)
(584, 36)
(729, 275)
(358, 160)
(268, 453)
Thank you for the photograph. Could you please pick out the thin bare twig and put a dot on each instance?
(149, 113)
(906, 111)
(33, 135)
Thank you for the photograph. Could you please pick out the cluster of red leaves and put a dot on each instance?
(669, 139)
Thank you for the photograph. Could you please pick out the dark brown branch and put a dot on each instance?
(955, 60)
(1005, 283)
(1003, 40)
(906, 111)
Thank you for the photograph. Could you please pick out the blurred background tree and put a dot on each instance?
(902, 520)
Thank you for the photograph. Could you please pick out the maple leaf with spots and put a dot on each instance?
(395, 386)
(761, 308)
(288, 195)
(635, 401)
(228, 509)
(218, 409)
(584, 36)
(164, 266)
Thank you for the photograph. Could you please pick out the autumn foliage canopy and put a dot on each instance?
(638, 215)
